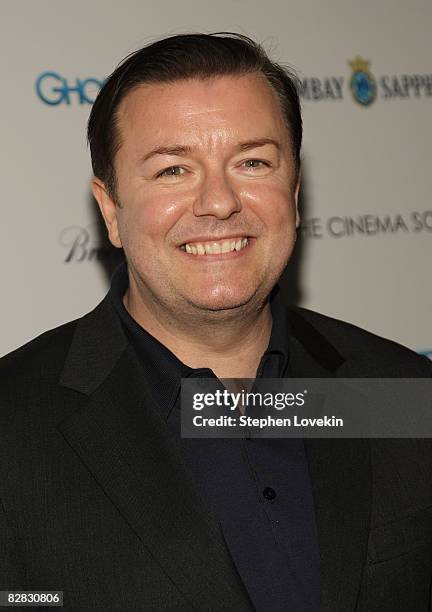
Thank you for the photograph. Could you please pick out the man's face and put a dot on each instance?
(203, 165)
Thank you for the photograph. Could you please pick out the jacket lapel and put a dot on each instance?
(121, 438)
(341, 479)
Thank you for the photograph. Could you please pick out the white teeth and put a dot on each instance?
(217, 247)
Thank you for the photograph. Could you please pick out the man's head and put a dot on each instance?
(195, 141)
(184, 57)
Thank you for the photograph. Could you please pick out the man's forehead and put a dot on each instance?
(226, 100)
(208, 93)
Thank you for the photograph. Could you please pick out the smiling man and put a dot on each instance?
(195, 144)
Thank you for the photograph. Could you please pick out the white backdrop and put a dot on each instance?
(366, 241)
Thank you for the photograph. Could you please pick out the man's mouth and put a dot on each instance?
(215, 247)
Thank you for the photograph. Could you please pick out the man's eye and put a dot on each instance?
(255, 163)
(171, 171)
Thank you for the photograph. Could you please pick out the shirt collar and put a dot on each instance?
(163, 370)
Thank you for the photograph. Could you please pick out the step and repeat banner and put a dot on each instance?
(364, 248)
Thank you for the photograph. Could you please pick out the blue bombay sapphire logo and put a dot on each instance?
(362, 84)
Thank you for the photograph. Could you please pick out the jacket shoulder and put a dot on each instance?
(374, 354)
(41, 358)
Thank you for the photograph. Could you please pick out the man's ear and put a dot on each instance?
(109, 211)
(296, 199)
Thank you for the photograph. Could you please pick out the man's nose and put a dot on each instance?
(216, 197)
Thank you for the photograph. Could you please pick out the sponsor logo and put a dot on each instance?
(362, 84)
(329, 88)
(54, 89)
(366, 225)
(87, 244)
(365, 88)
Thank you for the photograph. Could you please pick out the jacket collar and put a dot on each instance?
(115, 428)
(99, 340)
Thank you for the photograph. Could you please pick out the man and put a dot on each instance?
(195, 144)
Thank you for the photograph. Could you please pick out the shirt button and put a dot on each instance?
(269, 493)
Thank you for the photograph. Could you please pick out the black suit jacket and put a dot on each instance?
(96, 500)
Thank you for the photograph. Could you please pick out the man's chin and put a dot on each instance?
(219, 301)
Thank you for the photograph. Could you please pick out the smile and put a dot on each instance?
(215, 247)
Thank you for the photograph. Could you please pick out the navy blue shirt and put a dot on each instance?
(258, 488)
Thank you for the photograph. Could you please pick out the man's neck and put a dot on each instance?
(231, 346)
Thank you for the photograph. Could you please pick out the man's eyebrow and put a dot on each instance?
(170, 150)
(180, 150)
(259, 142)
